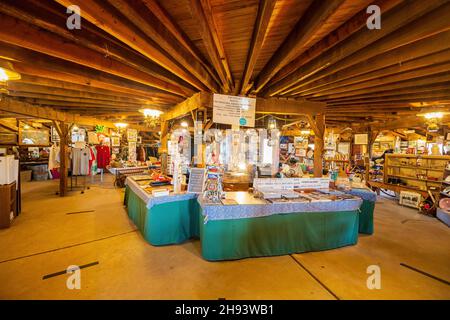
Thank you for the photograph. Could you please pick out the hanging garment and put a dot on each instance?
(141, 154)
(80, 161)
(103, 156)
(53, 157)
(93, 161)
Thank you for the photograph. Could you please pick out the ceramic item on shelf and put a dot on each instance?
(444, 203)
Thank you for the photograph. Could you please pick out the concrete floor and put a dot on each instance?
(44, 240)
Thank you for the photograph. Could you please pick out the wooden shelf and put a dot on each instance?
(415, 167)
(414, 178)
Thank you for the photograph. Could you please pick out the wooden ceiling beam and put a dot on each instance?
(55, 21)
(353, 25)
(101, 81)
(399, 28)
(74, 104)
(198, 100)
(32, 63)
(412, 97)
(164, 17)
(29, 88)
(392, 93)
(53, 45)
(27, 109)
(147, 22)
(202, 13)
(394, 79)
(265, 10)
(43, 96)
(355, 74)
(263, 106)
(101, 15)
(64, 85)
(311, 21)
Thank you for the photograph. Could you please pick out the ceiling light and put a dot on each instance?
(7, 72)
(184, 124)
(151, 113)
(433, 115)
(121, 125)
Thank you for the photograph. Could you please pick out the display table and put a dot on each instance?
(367, 208)
(253, 228)
(162, 220)
(127, 171)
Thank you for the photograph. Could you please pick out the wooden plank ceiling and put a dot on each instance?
(138, 54)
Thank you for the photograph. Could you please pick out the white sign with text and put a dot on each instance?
(233, 110)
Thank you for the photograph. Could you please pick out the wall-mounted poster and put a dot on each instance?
(115, 141)
(362, 138)
(35, 137)
(54, 135)
(132, 135)
(132, 151)
(344, 148)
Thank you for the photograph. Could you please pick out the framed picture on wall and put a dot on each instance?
(115, 141)
(362, 138)
(34, 137)
(132, 135)
(344, 148)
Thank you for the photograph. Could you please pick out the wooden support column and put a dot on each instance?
(318, 126)
(63, 131)
(372, 135)
(163, 148)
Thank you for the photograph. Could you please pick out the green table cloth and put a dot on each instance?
(278, 234)
(166, 222)
(367, 209)
(241, 231)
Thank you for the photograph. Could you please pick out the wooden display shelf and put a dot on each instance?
(415, 167)
(414, 178)
(398, 189)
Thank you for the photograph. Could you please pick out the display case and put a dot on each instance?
(415, 172)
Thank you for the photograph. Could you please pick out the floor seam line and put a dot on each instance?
(429, 275)
(67, 247)
(314, 277)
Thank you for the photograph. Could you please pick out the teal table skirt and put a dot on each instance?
(366, 217)
(164, 224)
(278, 234)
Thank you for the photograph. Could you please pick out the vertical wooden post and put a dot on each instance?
(63, 131)
(372, 135)
(163, 148)
(318, 126)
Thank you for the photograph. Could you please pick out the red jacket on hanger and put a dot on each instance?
(103, 156)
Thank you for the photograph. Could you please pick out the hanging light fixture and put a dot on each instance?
(151, 116)
(271, 123)
(7, 72)
(120, 127)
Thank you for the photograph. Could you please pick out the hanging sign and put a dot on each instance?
(196, 178)
(291, 183)
(238, 111)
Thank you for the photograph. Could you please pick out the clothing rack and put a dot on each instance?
(84, 186)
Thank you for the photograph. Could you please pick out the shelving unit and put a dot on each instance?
(416, 172)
